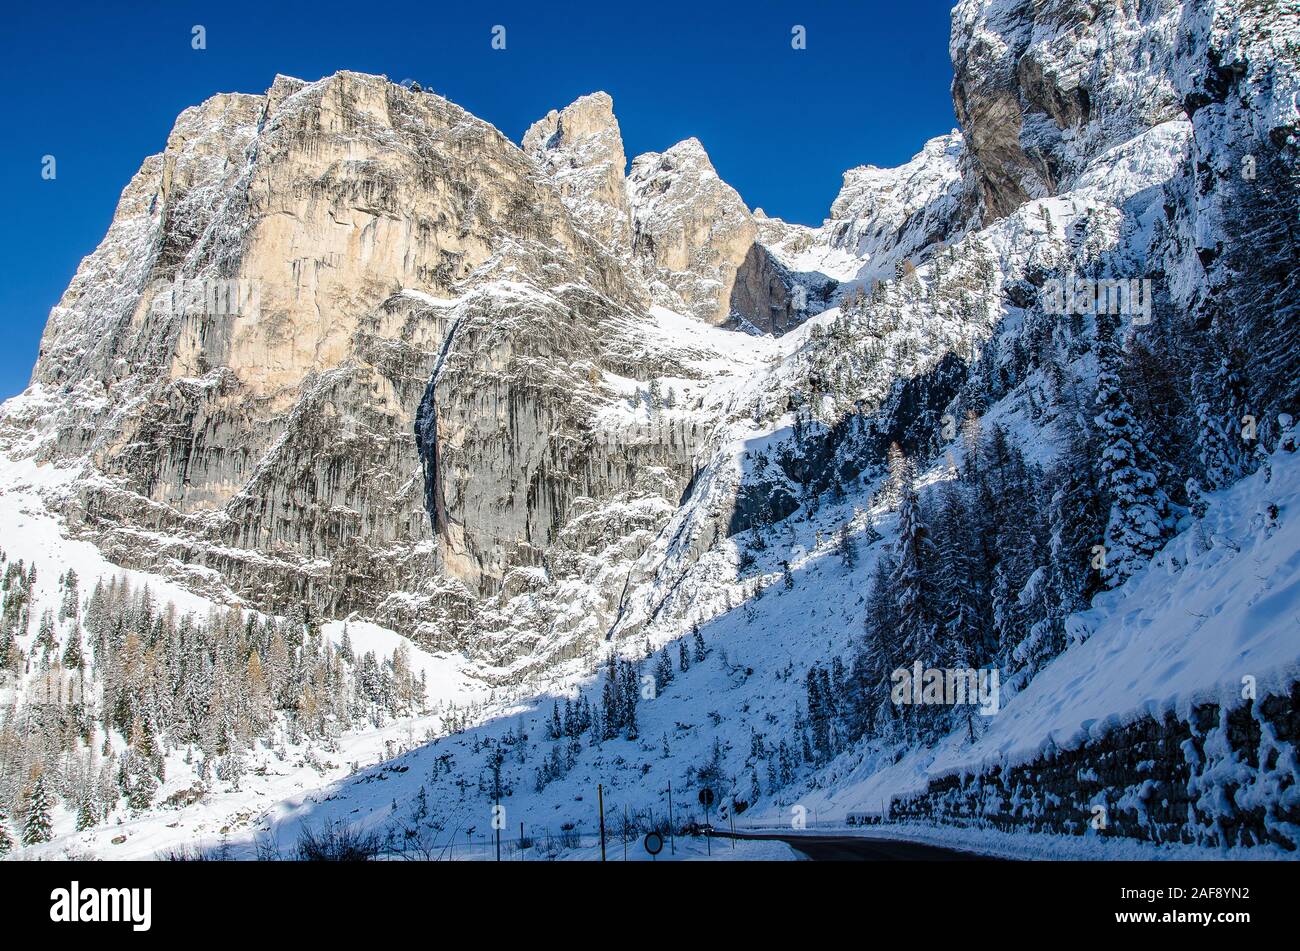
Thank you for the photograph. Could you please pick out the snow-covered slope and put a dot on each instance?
(881, 218)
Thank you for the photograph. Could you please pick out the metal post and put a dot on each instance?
(672, 836)
(496, 791)
(600, 798)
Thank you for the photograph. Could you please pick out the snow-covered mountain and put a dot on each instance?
(556, 435)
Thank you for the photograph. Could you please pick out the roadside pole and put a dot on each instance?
(672, 836)
(600, 798)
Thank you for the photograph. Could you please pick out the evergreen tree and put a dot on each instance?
(959, 579)
(1215, 449)
(1077, 517)
(846, 546)
(73, 658)
(569, 723)
(917, 604)
(901, 475)
(70, 597)
(683, 656)
(700, 650)
(631, 693)
(611, 707)
(45, 639)
(914, 595)
(881, 652)
(786, 766)
(37, 826)
(819, 711)
(663, 670)
(1136, 525)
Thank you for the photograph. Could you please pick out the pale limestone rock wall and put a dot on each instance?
(389, 252)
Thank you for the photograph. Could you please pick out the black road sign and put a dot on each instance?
(706, 796)
(654, 843)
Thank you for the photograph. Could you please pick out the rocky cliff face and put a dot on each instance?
(1236, 245)
(581, 148)
(700, 241)
(881, 218)
(1042, 88)
(673, 222)
(282, 289)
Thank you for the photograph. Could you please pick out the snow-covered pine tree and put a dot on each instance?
(45, 639)
(611, 704)
(901, 475)
(37, 826)
(1215, 450)
(914, 595)
(72, 653)
(663, 670)
(846, 546)
(1136, 526)
(569, 722)
(959, 580)
(819, 714)
(631, 694)
(6, 841)
(68, 609)
(1076, 515)
(880, 655)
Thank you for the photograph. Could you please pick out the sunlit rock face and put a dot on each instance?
(243, 357)
(1040, 89)
(581, 148)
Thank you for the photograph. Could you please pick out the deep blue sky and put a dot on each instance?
(97, 85)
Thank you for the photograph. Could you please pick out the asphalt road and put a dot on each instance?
(848, 848)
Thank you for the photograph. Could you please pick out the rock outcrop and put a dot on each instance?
(700, 241)
(881, 218)
(1042, 88)
(581, 148)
